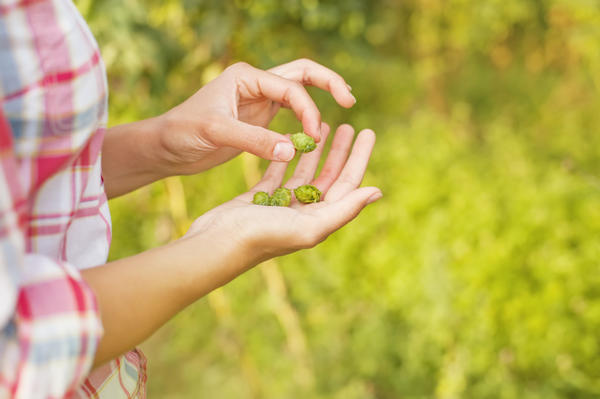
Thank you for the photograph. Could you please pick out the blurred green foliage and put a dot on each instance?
(477, 275)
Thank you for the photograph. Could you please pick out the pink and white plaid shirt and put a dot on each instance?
(54, 218)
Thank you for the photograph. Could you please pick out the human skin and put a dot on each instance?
(228, 240)
(225, 117)
(138, 294)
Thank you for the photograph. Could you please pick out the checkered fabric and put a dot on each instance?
(54, 218)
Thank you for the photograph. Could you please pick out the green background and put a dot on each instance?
(476, 276)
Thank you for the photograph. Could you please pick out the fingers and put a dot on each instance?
(254, 83)
(272, 178)
(335, 215)
(253, 139)
(304, 171)
(283, 85)
(354, 170)
(309, 162)
(308, 72)
(340, 148)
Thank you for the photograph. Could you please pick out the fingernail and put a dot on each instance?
(374, 198)
(354, 98)
(284, 152)
(316, 128)
(349, 87)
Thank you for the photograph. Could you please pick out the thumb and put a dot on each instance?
(338, 213)
(259, 141)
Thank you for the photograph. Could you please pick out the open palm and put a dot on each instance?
(272, 231)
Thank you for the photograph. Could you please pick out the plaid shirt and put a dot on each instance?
(54, 218)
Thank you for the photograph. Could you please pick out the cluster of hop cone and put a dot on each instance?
(282, 196)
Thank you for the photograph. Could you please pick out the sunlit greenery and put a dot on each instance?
(478, 273)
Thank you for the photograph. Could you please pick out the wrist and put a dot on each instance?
(168, 153)
(178, 141)
(213, 258)
(132, 156)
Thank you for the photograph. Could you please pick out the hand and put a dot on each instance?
(267, 231)
(228, 240)
(231, 113)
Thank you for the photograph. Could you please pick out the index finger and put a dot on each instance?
(258, 83)
(308, 72)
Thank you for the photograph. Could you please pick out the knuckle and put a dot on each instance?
(310, 111)
(211, 126)
(243, 65)
(294, 92)
(317, 113)
(261, 140)
(298, 94)
(297, 87)
(305, 61)
(238, 66)
(349, 181)
(328, 172)
(339, 79)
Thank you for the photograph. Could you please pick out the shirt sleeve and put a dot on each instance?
(49, 321)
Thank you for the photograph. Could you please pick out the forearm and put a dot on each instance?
(133, 156)
(137, 295)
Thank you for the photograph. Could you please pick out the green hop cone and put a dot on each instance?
(281, 197)
(307, 194)
(303, 142)
(261, 198)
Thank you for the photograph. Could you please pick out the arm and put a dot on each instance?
(133, 156)
(138, 294)
(223, 118)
